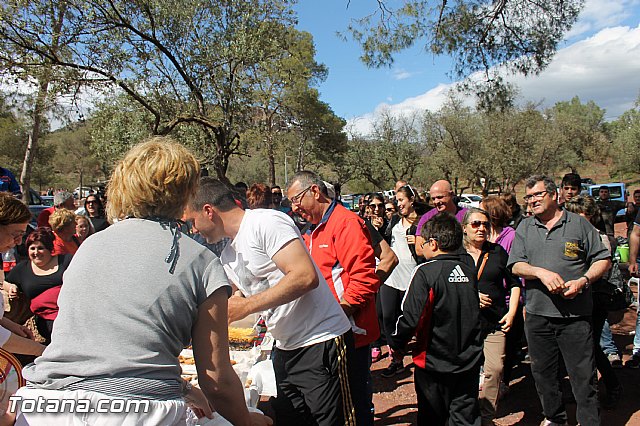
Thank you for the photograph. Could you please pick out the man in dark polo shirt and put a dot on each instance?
(559, 254)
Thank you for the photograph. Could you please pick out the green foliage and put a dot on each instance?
(580, 132)
(626, 140)
(393, 151)
(478, 34)
(13, 137)
(14, 134)
(502, 147)
(189, 63)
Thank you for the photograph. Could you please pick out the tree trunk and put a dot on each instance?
(221, 160)
(271, 157)
(300, 159)
(32, 145)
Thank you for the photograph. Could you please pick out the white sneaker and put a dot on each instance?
(546, 422)
(614, 360)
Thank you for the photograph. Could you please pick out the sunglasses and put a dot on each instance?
(390, 209)
(377, 205)
(476, 224)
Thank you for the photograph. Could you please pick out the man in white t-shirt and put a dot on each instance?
(267, 261)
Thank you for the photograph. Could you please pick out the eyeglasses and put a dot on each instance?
(296, 199)
(17, 235)
(477, 223)
(536, 195)
(427, 240)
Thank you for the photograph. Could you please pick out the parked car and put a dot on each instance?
(86, 190)
(617, 191)
(469, 200)
(37, 203)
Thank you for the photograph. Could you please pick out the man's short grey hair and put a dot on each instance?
(306, 179)
(61, 197)
(549, 185)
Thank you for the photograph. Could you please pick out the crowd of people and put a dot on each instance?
(465, 290)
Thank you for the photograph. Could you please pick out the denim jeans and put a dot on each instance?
(606, 340)
(549, 337)
(636, 338)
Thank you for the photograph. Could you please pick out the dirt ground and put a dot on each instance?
(395, 400)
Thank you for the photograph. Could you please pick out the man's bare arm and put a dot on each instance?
(594, 273)
(550, 279)
(634, 246)
(388, 260)
(216, 376)
(300, 277)
(21, 345)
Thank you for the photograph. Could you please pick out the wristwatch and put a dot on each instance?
(588, 281)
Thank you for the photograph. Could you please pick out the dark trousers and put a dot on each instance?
(45, 328)
(447, 396)
(572, 338)
(513, 345)
(602, 362)
(313, 384)
(391, 308)
(361, 386)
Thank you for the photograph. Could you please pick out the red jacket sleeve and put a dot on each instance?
(355, 253)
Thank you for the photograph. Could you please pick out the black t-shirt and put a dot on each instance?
(31, 284)
(492, 283)
(99, 223)
(376, 238)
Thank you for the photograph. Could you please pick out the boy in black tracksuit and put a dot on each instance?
(442, 308)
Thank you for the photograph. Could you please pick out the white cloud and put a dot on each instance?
(599, 14)
(603, 68)
(402, 74)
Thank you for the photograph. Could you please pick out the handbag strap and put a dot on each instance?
(484, 262)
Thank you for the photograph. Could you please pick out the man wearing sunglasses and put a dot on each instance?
(559, 254)
(341, 246)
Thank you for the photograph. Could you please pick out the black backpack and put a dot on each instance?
(612, 292)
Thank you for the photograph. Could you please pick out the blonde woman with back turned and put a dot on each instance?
(153, 292)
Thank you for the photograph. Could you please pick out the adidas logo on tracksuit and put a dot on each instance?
(457, 276)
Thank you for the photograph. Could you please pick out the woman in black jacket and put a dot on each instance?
(495, 318)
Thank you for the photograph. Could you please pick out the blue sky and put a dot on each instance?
(599, 60)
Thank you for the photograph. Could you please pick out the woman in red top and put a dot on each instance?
(63, 224)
